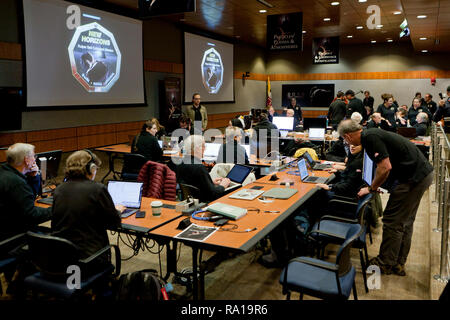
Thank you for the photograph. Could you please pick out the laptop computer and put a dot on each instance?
(407, 132)
(237, 175)
(211, 151)
(128, 194)
(304, 175)
(317, 134)
(284, 123)
(315, 165)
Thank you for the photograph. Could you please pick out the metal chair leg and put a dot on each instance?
(363, 267)
(355, 295)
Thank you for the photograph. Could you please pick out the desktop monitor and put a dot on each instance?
(284, 123)
(368, 169)
(48, 163)
(212, 149)
(314, 123)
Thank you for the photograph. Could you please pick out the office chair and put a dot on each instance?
(189, 191)
(333, 229)
(322, 279)
(132, 164)
(53, 255)
(9, 257)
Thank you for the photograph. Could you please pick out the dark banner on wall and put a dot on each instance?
(170, 103)
(325, 50)
(308, 95)
(284, 31)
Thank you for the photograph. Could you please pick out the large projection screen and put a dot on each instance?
(79, 56)
(208, 69)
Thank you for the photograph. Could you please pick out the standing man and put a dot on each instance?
(368, 102)
(197, 112)
(431, 105)
(337, 110)
(409, 173)
(355, 105)
(444, 108)
(297, 110)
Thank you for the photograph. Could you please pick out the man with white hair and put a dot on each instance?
(421, 124)
(19, 185)
(357, 117)
(192, 172)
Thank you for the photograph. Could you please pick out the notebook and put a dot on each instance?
(226, 210)
(280, 193)
(304, 175)
(317, 134)
(246, 194)
(315, 165)
(128, 194)
(237, 175)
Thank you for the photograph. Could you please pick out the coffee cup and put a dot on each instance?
(156, 208)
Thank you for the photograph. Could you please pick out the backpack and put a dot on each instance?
(143, 285)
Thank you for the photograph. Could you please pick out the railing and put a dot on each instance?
(441, 162)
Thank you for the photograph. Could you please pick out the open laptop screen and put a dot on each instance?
(302, 169)
(128, 194)
(284, 123)
(367, 169)
(239, 173)
(317, 133)
(211, 149)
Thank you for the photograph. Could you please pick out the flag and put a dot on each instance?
(269, 93)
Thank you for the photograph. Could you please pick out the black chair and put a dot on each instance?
(132, 164)
(320, 278)
(53, 255)
(9, 254)
(333, 229)
(189, 191)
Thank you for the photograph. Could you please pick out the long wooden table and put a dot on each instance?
(111, 151)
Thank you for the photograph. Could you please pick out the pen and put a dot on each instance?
(268, 211)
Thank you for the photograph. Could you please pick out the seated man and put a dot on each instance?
(421, 125)
(19, 185)
(231, 151)
(191, 171)
(264, 137)
(377, 121)
(291, 113)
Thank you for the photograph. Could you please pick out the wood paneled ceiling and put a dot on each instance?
(241, 19)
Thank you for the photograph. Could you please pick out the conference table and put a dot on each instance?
(250, 229)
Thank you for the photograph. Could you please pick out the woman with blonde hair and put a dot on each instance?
(161, 130)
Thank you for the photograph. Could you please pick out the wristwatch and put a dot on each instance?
(371, 190)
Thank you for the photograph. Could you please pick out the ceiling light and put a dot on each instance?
(362, 0)
(422, 38)
(373, 41)
(390, 40)
(182, 20)
(350, 37)
(303, 31)
(424, 51)
(262, 11)
(335, 3)
(422, 16)
(397, 12)
(359, 27)
(379, 26)
(326, 19)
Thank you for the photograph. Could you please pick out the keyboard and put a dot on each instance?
(312, 179)
(48, 200)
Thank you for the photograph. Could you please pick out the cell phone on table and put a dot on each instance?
(140, 214)
(128, 212)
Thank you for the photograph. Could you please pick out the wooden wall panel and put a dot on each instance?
(124, 136)
(7, 139)
(50, 134)
(314, 113)
(10, 51)
(98, 129)
(92, 141)
(67, 144)
(136, 125)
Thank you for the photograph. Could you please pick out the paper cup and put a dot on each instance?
(156, 208)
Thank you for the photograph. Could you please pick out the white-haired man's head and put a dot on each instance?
(357, 117)
(21, 156)
(422, 117)
(194, 145)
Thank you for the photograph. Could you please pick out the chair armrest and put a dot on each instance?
(316, 263)
(12, 239)
(102, 252)
(335, 218)
(344, 202)
(330, 234)
(14, 246)
(95, 255)
(342, 198)
(118, 260)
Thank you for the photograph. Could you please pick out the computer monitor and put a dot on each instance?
(314, 123)
(368, 169)
(212, 149)
(48, 163)
(284, 123)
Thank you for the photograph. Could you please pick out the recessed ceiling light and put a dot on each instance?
(424, 51)
(182, 20)
(422, 16)
(362, 0)
(397, 12)
(350, 36)
(379, 26)
(373, 41)
(390, 40)
(238, 37)
(359, 27)
(335, 3)
(326, 19)
(262, 11)
(304, 31)
(423, 38)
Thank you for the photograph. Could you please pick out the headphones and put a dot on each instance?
(91, 164)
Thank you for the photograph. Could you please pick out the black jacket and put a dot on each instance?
(261, 140)
(421, 129)
(239, 155)
(412, 114)
(82, 212)
(356, 105)
(350, 180)
(191, 171)
(337, 111)
(442, 112)
(17, 195)
(147, 145)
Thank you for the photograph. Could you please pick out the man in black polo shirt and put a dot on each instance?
(409, 174)
(297, 110)
(431, 105)
(337, 110)
(355, 105)
(444, 108)
(368, 102)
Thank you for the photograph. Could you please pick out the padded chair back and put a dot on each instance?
(189, 191)
(362, 205)
(52, 255)
(343, 255)
(132, 164)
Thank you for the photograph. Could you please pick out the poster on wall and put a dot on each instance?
(308, 95)
(325, 50)
(284, 31)
(170, 103)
